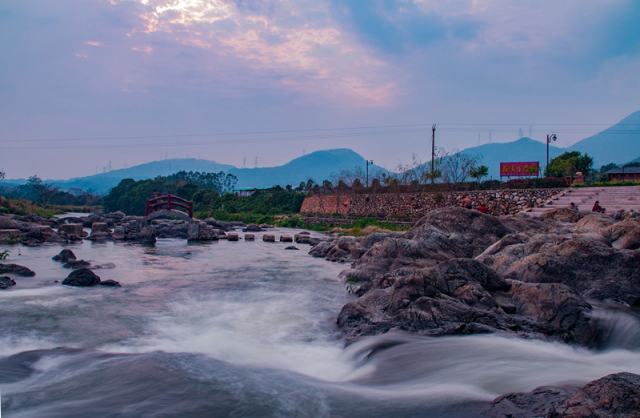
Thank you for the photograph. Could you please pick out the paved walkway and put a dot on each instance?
(611, 198)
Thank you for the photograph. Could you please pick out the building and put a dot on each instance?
(623, 174)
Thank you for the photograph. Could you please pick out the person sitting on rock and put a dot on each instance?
(483, 208)
(573, 206)
(597, 207)
(466, 202)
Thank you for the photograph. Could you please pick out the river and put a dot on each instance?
(246, 329)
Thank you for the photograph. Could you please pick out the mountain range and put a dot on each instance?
(618, 144)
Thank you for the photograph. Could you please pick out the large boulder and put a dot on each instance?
(253, 228)
(563, 215)
(16, 269)
(82, 278)
(613, 396)
(100, 227)
(463, 296)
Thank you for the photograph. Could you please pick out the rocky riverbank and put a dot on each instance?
(461, 272)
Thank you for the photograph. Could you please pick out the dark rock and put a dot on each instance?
(147, 235)
(76, 264)
(6, 282)
(16, 269)
(305, 233)
(291, 247)
(111, 283)
(65, 256)
(83, 278)
(253, 228)
(106, 266)
(613, 396)
(100, 236)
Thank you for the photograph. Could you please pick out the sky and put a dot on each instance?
(85, 84)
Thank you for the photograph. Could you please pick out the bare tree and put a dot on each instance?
(44, 190)
(457, 168)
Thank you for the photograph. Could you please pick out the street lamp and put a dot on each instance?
(550, 138)
(369, 162)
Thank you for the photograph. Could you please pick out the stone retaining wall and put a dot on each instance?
(415, 205)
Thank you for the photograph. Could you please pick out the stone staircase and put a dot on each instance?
(612, 199)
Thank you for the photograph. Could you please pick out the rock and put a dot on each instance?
(6, 282)
(613, 396)
(119, 233)
(16, 269)
(100, 227)
(301, 238)
(563, 215)
(116, 216)
(111, 283)
(249, 237)
(58, 237)
(592, 223)
(232, 236)
(83, 277)
(103, 266)
(9, 235)
(291, 247)
(286, 238)
(462, 296)
(100, 236)
(253, 228)
(147, 235)
(193, 230)
(76, 264)
(72, 230)
(338, 249)
(269, 238)
(623, 235)
(65, 256)
(238, 224)
(305, 233)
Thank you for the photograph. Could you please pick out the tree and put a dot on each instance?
(2, 174)
(479, 172)
(327, 186)
(569, 163)
(610, 166)
(45, 191)
(456, 168)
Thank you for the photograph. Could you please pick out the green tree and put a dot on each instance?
(569, 163)
(610, 166)
(479, 172)
(45, 191)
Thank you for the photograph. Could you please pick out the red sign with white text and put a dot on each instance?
(523, 169)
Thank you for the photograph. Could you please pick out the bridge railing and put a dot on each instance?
(169, 202)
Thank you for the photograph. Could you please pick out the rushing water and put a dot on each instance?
(246, 329)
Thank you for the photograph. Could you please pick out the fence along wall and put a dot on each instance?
(499, 202)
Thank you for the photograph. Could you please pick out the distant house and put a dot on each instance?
(623, 174)
(76, 191)
(251, 190)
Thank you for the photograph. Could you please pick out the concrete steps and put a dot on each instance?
(612, 199)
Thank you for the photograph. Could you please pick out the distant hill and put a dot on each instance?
(524, 149)
(616, 144)
(319, 166)
(102, 182)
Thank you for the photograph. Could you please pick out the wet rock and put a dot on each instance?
(6, 282)
(249, 237)
(286, 238)
(592, 223)
(106, 266)
(269, 238)
(238, 224)
(119, 233)
(16, 269)
(253, 228)
(301, 238)
(116, 216)
(337, 249)
(232, 236)
(82, 278)
(60, 238)
(147, 235)
(72, 230)
(9, 235)
(100, 227)
(111, 283)
(65, 256)
(76, 264)
(100, 236)
(291, 247)
(613, 396)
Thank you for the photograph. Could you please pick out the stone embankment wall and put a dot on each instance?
(415, 205)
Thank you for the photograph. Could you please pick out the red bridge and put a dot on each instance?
(168, 205)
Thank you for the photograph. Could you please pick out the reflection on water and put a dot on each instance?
(242, 329)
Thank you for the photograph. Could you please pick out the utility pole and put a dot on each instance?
(369, 162)
(550, 138)
(433, 151)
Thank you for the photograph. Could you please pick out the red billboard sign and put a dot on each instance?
(523, 169)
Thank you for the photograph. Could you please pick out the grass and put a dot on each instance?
(360, 227)
(25, 207)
